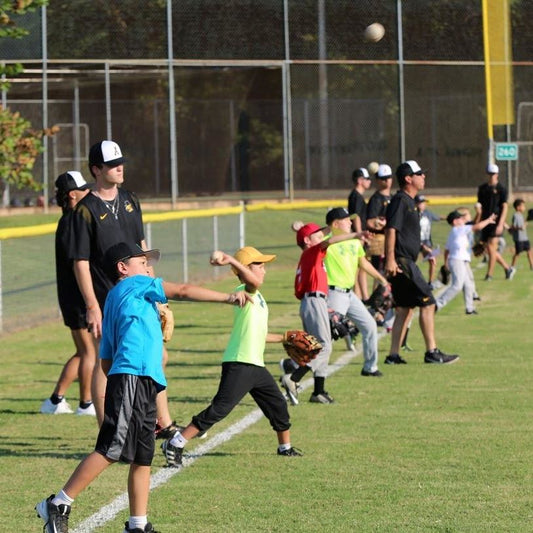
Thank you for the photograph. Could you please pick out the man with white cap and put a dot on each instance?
(108, 215)
(375, 215)
(492, 196)
(409, 288)
(71, 187)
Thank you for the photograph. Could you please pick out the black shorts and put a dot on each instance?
(521, 246)
(128, 431)
(488, 232)
(74, 317)
(409, 288)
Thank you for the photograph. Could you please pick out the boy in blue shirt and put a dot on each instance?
(130, 351)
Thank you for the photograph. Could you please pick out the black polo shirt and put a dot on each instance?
(403, 216)
(95, 228)
(357, 205)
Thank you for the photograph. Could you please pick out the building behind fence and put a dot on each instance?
(211, 98)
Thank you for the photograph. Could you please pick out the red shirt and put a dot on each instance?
(311, 272)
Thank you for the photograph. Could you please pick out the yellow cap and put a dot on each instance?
(248, 255)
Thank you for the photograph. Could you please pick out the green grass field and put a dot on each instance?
(426, 448)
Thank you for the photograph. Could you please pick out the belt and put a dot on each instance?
(315, 295)
(340, 289)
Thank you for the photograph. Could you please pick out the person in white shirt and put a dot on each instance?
(457, 257)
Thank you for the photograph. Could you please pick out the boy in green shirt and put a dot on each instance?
(243, 367)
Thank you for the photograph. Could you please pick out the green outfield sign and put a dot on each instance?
(506, 151)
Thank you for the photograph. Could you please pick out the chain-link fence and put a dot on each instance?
(267, 95)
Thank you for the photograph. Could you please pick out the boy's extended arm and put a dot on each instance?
(184, 291)
(480, 225)
(247, 277)
(361, 235)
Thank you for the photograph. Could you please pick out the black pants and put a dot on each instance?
(236, 381)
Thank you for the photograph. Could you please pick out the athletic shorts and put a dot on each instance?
(521, 246)
(488, 232)
(74, 316)
(409, 288)
(128, 431)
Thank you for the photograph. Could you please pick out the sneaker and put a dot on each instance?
(395, 359)
(172, 429)
(148, 528)
(172, 454)
(291, 452)
(477, 298)
(350, 346)
(437, 357)
(61, 408)
(291, 388)
(55, 517)
(375, 374)
(87, 411)
(509, 273)
(323, 397)
(287, 365)
(489, 278)
(473, 312)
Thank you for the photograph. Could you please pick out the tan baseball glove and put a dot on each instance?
(167, 321)
(301, 347)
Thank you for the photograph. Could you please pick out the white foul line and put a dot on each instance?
(110, 511)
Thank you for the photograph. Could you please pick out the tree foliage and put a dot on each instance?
(20, 145)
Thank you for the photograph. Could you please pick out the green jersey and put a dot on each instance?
(248, 335)
(342, 262)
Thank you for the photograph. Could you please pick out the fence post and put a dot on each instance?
(185, 250)
(241, 225)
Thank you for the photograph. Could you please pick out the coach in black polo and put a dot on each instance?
(409, 288)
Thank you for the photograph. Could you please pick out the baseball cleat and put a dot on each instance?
(55, 517)
(291, 452)
(172, 454)
(291, 388)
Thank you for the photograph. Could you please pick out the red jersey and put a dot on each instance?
(311, 272)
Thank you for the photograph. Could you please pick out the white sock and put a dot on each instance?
(137, 522)
(62, 498)
(178, 440)
(284, 447)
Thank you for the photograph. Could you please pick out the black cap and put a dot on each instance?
(419, 198)
(408, 168)
(70, 181)
(454, 215)
(337, 213)
(105, 153)
(122, 251)
(360, 173)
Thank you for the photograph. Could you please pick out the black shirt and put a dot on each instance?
(95, 228)
(377, 206)
(491, 198)
(357, 205)
(403, 216)
(68, 294)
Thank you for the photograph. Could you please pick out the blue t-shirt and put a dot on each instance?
(131, 328)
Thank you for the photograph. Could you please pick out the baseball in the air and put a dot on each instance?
(374, 32)
(216, 257)
(296, 225)
(372, 167)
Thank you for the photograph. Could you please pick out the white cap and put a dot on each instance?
(492, 169)
(384, 171)
(415, 167)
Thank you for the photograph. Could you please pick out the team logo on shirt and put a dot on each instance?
(102, 217)
(128, 207)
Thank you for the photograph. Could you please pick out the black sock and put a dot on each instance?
(319, 385)
(84, 405)
(55, 399)
(299, 373)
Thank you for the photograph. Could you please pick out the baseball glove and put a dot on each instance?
(167, 321)
(444, 275)
(341, 325)
(301, 346)
(478, 249)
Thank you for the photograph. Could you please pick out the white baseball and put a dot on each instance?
(216, 257)
(374, 32)
(372, 167)
(296, 225)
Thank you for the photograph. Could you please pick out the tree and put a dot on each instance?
(20, 145)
